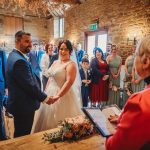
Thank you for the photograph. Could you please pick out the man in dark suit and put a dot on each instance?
(86, 80)
(35, 56)
(2, 91)
(24, 91)
(80, 53)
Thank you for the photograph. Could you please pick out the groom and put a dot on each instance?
(24, 89)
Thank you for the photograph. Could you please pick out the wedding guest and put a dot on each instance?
(24, 86)
(47, 60)
(137, 82)
(3, 91)
(128, 76)
(99, 76)
(114, 61)
(132, 131)
(35, 56)
(80, 53)
(86, 80)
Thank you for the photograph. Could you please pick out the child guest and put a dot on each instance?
(86, 80)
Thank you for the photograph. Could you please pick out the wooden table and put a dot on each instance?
(35, 142)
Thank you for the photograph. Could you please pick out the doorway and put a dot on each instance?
(95, 39)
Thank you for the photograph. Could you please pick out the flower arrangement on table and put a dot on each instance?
(71, 129)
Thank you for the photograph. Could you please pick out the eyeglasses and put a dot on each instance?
(65, 49)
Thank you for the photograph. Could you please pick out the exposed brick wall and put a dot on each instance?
(121, 17)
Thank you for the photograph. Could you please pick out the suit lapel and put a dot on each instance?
(32, 71)
(83, 73)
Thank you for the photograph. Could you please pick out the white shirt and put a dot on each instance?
(45, 63)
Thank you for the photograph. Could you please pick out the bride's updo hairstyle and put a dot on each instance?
(68, 44)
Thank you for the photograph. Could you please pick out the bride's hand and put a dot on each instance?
(50, 100)
(55, 98)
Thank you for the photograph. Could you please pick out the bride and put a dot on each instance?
(63, 89)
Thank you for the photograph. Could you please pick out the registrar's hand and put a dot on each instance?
(113, 119)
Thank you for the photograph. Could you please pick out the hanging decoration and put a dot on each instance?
(39, 7)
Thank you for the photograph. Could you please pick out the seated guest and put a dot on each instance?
(86, 80)
(133, 131)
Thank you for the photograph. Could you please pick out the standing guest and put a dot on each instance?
(99, 75)
(137, 82)
(86, 80)
(24, 88)
(114, 61)
(3, 91)
(80, 53)
(47, 60)
(55, 49)
(128, 76)
(35, 56)
(134, 121)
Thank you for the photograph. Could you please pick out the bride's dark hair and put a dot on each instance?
(68, 44)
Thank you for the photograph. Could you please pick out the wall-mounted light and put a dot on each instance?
(134, 40)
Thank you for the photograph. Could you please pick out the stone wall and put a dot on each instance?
(123, 19)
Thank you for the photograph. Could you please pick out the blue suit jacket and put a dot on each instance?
(82, 75)
(2, 74)
(36, 60)
(24, 92)
(80, 54)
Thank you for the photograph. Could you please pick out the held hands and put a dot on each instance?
(52, 99)
(105, 77)
(86, 81)
(115, 76)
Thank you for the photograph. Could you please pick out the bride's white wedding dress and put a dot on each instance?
(69, 105)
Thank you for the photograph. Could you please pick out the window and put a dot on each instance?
(61, 27)
(58, 27)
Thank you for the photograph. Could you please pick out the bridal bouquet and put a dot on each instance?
(70, 129)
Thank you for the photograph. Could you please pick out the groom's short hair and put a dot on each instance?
(19, 35)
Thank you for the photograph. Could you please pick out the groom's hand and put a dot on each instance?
(50, 101)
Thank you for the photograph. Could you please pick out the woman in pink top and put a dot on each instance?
(133, 128)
